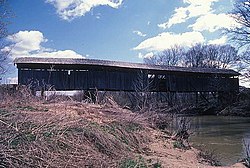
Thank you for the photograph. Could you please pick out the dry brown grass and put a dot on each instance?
(38, 133)
(60, 132)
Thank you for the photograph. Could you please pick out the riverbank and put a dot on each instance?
(39, 133)
(239, 108)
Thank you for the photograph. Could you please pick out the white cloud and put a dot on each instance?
(98, 16)
(70, 9)
(59, 54)
(139, 33)
(167, 40)
(195, 8)
(199, 2)
(147, 55)
(180, 16)
(220, 41)
(212, 22)
(13, 80)
(26, 41)
(28, 44)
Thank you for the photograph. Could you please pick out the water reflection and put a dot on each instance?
(223, 135)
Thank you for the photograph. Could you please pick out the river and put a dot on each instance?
(223, 135)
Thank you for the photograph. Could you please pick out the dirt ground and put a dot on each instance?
(170, 157)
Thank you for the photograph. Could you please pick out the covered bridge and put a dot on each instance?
(89, 74)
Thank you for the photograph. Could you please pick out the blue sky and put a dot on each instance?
(123, 30)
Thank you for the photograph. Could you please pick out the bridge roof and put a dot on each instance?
(81, 62)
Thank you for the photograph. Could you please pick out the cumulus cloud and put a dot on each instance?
(212, 22)
(219, 41)
(70, 9)
(195, 8)
(167, 40)
(29, 44)
(139, 33)
(27, 40)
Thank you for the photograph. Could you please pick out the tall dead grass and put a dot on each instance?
(39, 133)
(61, 132)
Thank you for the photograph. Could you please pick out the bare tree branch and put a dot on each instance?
(169, 57)
(203, 56)
(5, 14)
(241, 14)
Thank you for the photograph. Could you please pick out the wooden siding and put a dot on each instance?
(126, 80)
(89, 74)
(79, 80)
(182, 83)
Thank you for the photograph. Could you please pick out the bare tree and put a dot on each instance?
(243, 66)
(241, 34)
(169, 57)
(227, 55)
(210, 56)
(212, 53)
(245, 56)
(141, 95)
(200, 55)
(241, 13)
(5, 14)
(195, 56)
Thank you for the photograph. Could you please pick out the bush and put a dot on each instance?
(209, 157)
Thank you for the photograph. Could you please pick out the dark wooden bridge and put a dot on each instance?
(89, 74)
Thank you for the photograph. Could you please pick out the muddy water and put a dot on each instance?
(223, 135)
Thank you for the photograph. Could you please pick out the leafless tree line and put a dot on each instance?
(200, 55)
